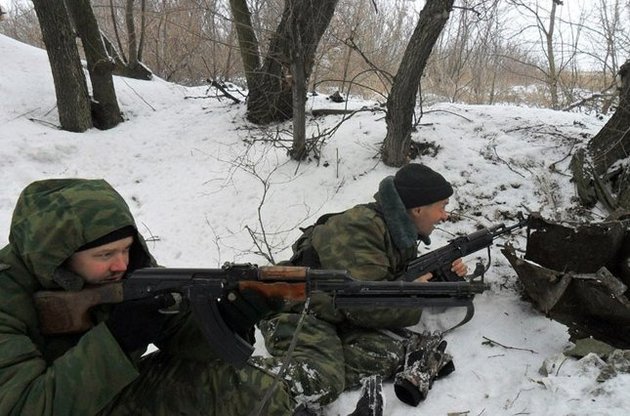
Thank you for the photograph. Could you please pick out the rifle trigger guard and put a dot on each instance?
(175, 307)
(480, 268)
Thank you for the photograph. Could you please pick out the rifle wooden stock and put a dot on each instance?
(63, 312)
(285, 291)
(284, 273)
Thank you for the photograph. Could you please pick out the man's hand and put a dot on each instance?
(137, 323)
(424, 278)
(458, 267)
(242, 310)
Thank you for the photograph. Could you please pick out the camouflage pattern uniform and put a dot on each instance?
(336, 348)
(88, 374)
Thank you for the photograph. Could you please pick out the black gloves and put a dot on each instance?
(242, 310)
(137, 323)
(372, 400)
(425, 361)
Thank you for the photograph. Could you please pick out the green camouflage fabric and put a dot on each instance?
(327, 359)
(168, 385)
(337, 348)
(89, 374)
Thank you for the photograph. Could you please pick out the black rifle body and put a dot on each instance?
(439, 261)
(66, 312)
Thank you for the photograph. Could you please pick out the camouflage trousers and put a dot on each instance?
(172, 386)
(327, 358)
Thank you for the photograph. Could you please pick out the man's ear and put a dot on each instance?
(414, 212)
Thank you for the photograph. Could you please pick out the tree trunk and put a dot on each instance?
(120, 65)
(298, 149)
(551, 57)
(143, 28)
(132, 44)
(246, 38)
(105, 110)
(270, 95)
(592, 171)
(73, 100)
(402, 98)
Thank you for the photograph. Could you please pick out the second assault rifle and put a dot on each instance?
(438, 262)
(68, 312)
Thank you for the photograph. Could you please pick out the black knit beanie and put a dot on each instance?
(419, 185)
(115, 235)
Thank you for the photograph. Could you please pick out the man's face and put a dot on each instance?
(102, 264)
(426, 217)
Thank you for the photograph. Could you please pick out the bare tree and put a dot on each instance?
(402, 98)
(73, 100)
(608, 36)
(277, 84)
(106, 113)
(19, 21)
(484, 55)
(127, 61)
(558, 53)
(271, 83)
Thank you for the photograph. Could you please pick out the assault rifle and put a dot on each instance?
(438, 262)
(68, 312)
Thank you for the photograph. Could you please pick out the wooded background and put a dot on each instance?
(403, 55)
(490, 51)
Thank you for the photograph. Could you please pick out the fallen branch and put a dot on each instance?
(341, 111)
(221, 87)
(492, 343)
(494, 148)
(592, 97)
(585, 100)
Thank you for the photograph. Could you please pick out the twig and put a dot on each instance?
(552, 167)
(223, 89)
(493, 343)
(44, 122)
(450, 112)
(561, 364)
(139, 96)
(23, 114)
(494, 148)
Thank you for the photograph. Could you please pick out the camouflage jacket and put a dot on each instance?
(372, 242)
(66, 374)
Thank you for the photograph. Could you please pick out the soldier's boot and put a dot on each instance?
(372, 401)
(425, 362)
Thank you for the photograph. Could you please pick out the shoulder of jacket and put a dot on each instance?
(359, 216)
(367, 213)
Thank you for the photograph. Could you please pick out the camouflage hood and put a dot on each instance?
(54, 217)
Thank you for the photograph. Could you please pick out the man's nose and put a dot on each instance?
(119, 264)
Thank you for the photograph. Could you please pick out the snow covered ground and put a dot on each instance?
(201, 182)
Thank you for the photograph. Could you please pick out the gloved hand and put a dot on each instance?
(242, 310)
(425, 361)
(137, 323)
